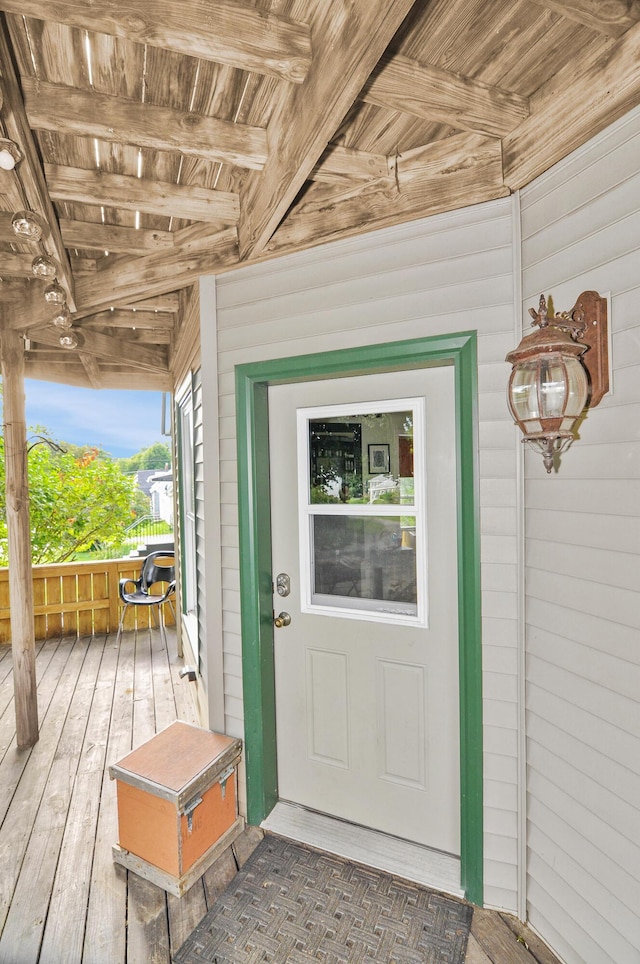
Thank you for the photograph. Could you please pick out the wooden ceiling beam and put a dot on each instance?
(148, 336)
(143, 336)
(29, 308)
(12, 293)
(166, 302)
(111, 347)
(441, 182)
(448, 156)
(29, 170)
(92, 236)
(605, 87)
(612, 18)
(58, 367)
(346, 162)
(234, 33)
(92, 369)
(439, 95)
(15, 265)
(7, 234)
(186, 201)
(119, 318)
(87, 113)
(354, 35)
(129, 278)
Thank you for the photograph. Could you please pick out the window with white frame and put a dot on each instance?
(186, 489)
(362, 491)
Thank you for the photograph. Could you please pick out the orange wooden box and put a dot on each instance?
(177, 807)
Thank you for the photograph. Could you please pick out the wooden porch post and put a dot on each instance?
(18, 530)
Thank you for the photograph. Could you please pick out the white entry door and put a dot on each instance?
(363, 490)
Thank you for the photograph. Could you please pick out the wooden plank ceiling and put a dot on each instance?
(164, 140)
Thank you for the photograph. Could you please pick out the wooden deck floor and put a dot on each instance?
(62, 898)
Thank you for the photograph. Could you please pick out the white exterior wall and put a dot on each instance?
(446, 274)
(581, 231)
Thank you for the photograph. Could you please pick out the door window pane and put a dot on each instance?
(365, 559)
(363, 546)
(362, 459)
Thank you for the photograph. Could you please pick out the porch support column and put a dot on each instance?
(19, 537)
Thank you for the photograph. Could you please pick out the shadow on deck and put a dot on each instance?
(62, 898)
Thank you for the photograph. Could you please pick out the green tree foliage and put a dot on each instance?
(156, 456)
(75, 502)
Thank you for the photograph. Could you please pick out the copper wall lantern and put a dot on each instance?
(558, 371)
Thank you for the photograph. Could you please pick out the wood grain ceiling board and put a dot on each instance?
(333, 164)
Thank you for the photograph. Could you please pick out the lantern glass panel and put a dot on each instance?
(523, 392)
(547, 387)
(552, 386)
(578, 385)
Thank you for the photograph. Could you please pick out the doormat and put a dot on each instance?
(291, 904)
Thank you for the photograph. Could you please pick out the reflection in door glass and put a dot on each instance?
(363, 495)
(365, 559)
(361, 459)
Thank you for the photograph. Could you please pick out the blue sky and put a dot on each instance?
(121, 422)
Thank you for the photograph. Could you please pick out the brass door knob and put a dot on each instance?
(282, 619)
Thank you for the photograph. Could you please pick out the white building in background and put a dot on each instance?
(161, 494)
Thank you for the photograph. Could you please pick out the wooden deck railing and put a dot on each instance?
(78, 598)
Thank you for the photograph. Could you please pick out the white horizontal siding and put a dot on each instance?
(580, 231)
(442, 275)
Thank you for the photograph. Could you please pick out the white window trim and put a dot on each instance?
(362, 608)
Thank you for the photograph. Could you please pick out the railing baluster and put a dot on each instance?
(73, 597)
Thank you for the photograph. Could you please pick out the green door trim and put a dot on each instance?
(252, 381)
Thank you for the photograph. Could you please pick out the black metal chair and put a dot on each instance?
(157, 568)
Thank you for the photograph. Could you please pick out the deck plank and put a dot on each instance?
(29, 908)
(8, 714)
(148, 937)
(106, 937)
(163, 696)
(65, 927)
(148, 926)
(144, 715)
(185, 913)
(23, 809)
(28, 912)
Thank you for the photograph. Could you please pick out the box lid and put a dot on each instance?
(178, 762)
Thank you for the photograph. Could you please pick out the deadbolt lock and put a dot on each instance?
(283, 584)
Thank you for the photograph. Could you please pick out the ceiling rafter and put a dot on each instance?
(237, 34)
(126, 278)
(87, 113)
(92, 236)
(339, 161)
(612, 18)
(403, 111)
(472, 170)
(52, 366)
(136, 318)
(36, 196)
(616, 79)
(186, 201)
(306, 120)
(435, 94)
(147, 357)
(92, 369)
